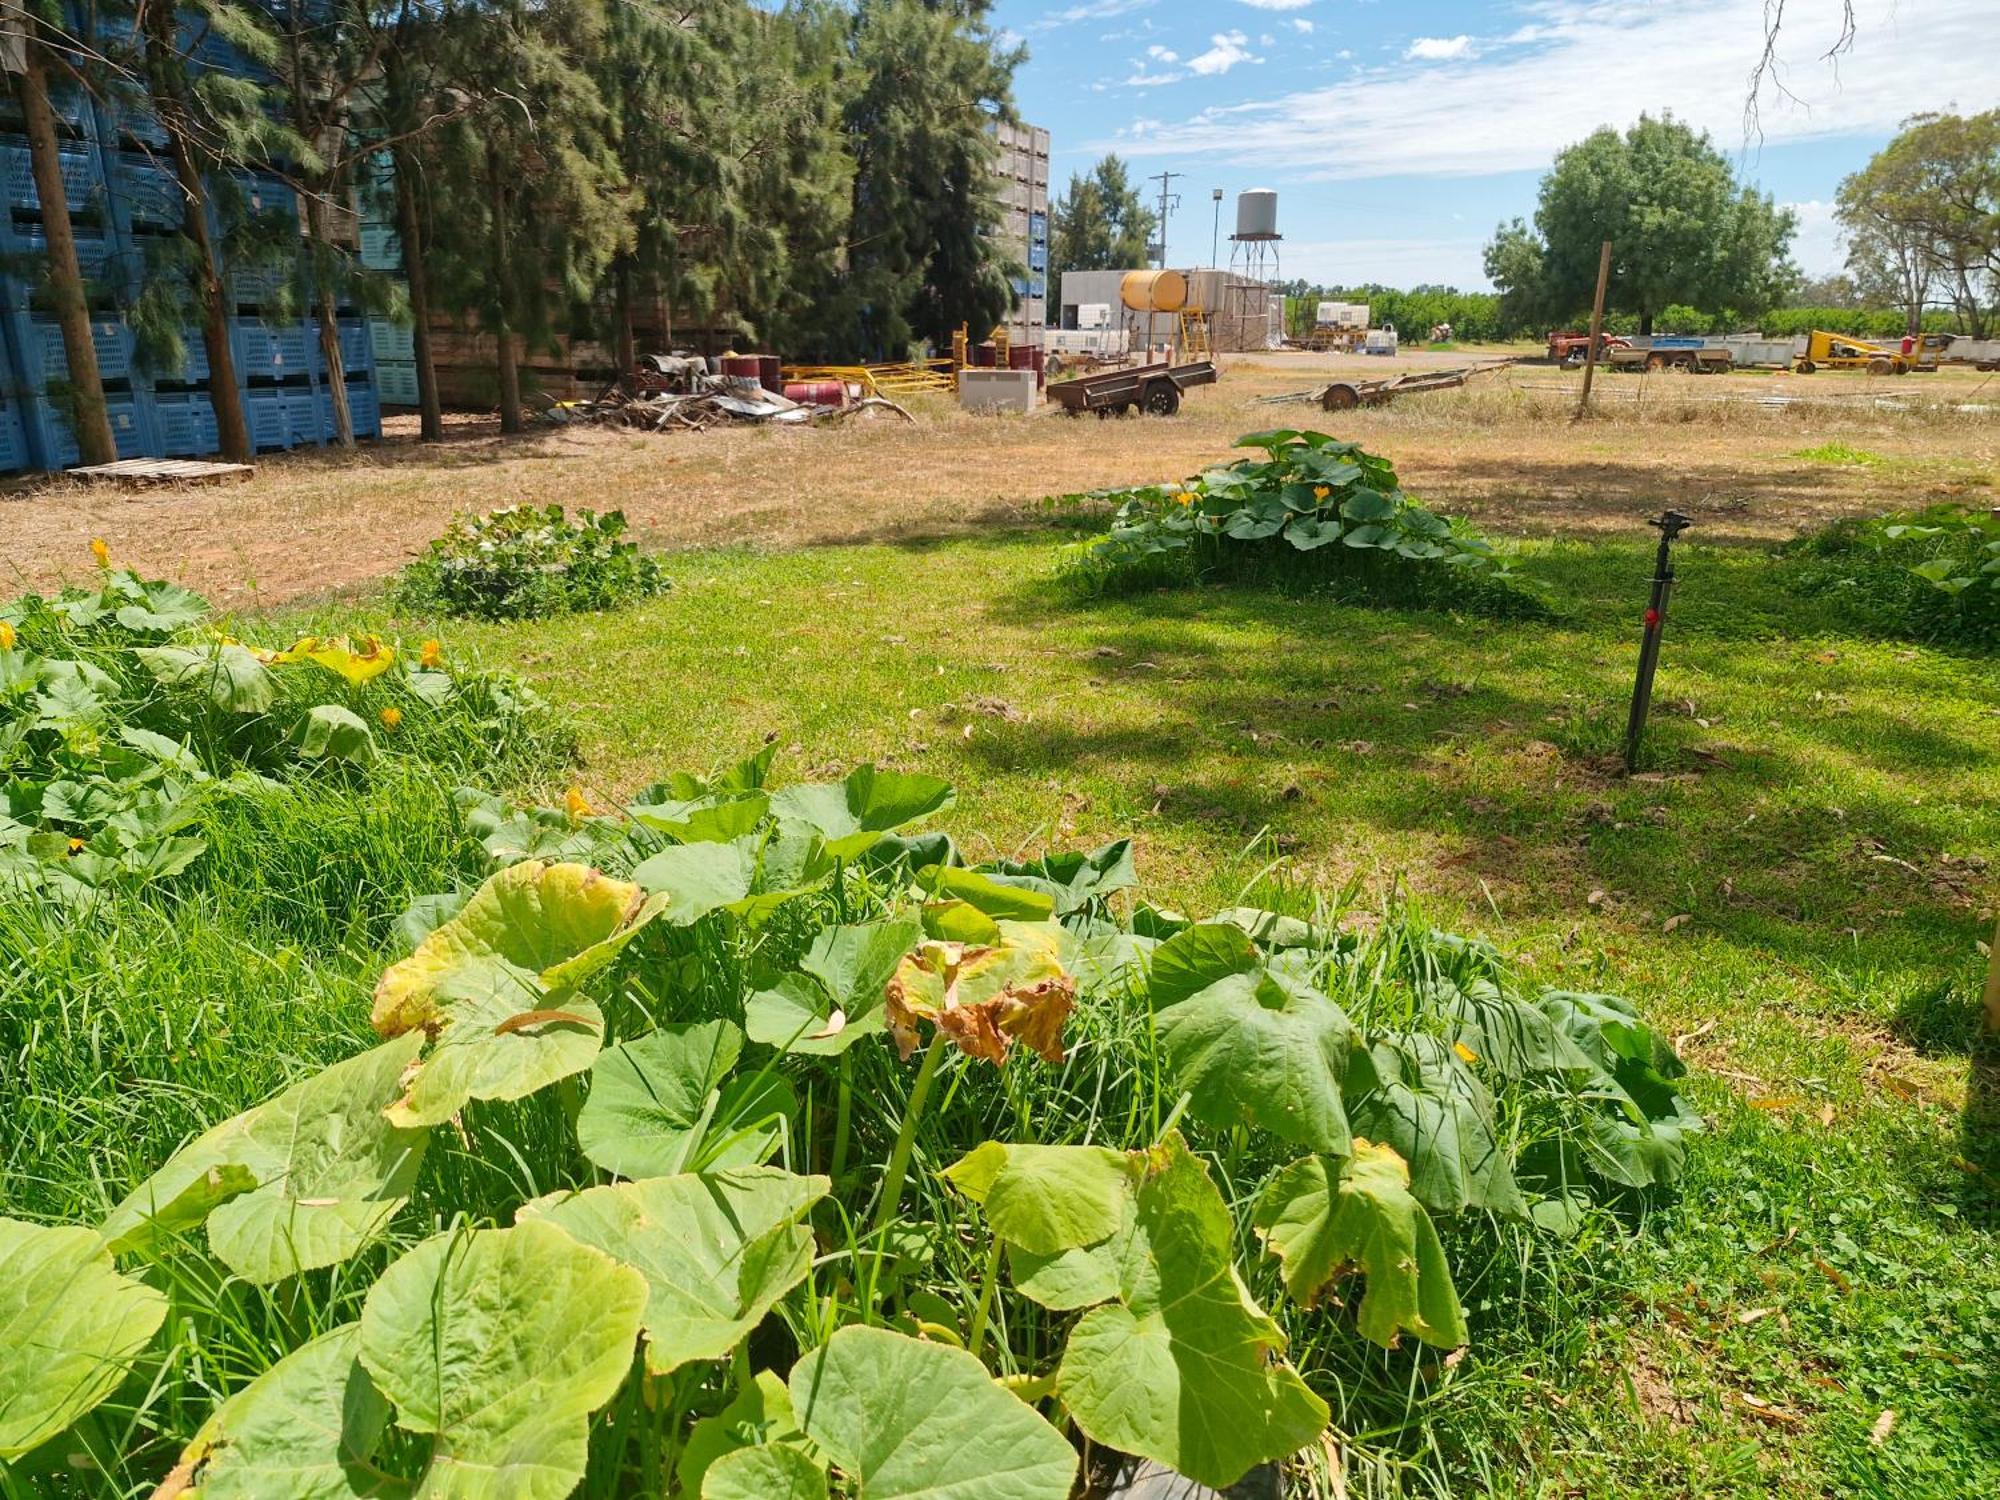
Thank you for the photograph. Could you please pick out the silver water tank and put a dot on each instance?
(1257, 214)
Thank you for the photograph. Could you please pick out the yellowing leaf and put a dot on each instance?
(985, 997)
(353, 662)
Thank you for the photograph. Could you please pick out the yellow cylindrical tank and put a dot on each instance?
(1154, 291)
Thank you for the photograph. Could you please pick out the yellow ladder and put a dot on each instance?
(1195, 341)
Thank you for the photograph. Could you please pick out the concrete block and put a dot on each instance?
(997, 390)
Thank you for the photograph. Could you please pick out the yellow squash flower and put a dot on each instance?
(75, 844)
(430, 655)
(100, 551)
(7, 636)
(1320, 492)
(578, 805)
(391, 717)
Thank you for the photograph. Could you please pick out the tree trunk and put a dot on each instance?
(92, 421)
(625, 354)
(503, 285)
(232, 430)
(410, 230)
(329, 321)
(409, 227)
(1646, 325)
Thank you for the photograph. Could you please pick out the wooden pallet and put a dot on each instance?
(164, 471)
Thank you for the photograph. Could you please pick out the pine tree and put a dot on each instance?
(537, 212)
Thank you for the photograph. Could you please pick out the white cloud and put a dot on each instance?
(1162, 54)
(1302, 26)
(1276, 4)
(1439, 48)
(1226, 50)
(1089, 10)
(1497, 112)
(1406, 262)
(1820, 246)
(1144, 80)
(1344, 54)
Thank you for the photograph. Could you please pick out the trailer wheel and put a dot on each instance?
(1879, 367)
(1053, 367)
(1656, 362)
(1804, 367)
(1162, 398)
(1339, 397)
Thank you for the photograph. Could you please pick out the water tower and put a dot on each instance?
(1253, 268)
(1253, 249)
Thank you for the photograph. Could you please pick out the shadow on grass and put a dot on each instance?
(1262, 708)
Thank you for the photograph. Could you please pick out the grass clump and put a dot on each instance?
(1844, 454)
(1930, 575)
(530, 562)
(1313, 511)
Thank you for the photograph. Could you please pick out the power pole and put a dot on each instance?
(1215, 234)
(1169, 201)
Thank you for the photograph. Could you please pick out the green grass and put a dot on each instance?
(1841, 453)
(1814, 805)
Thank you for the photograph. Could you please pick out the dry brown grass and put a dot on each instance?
(1503, 451)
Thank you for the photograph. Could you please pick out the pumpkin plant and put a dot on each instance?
(584, 1217)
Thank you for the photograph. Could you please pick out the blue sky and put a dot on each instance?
(1399, 132)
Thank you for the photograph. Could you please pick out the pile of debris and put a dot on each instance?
(668, 392)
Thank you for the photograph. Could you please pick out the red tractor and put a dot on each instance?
(1571, 349)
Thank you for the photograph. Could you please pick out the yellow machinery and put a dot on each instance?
(1836, 351)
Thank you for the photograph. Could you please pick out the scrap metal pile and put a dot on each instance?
(670, 392)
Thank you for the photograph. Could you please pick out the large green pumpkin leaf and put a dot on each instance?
(495, 986)
(1047, 1199)
(1071, 880)
(1254, 1046)
(909, 1420)
(303, 1180)
(1415, 1095)
(330, 732)
(716, 818)
(836, 998)
(1195, 958)
(1324, 1218)
(305, 1429)
(500, 1343)
(1184, 1367)
(70, 1327)
(773, 1473)
(653, 1100)
(717, 1250)
(852, 814)
(1507, 1036)
(532, 929)
(228, 674)
(760, 1413)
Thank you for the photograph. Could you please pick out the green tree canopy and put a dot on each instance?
(1923, 218)
(1682, 230)
(1100, 224)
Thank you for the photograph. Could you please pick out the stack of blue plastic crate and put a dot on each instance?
(393, 344)
(124, 203)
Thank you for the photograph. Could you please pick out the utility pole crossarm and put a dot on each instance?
(1169, 201)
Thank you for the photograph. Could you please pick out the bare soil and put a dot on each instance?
(1503, 451)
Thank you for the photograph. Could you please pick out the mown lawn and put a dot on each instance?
(1794, 887)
